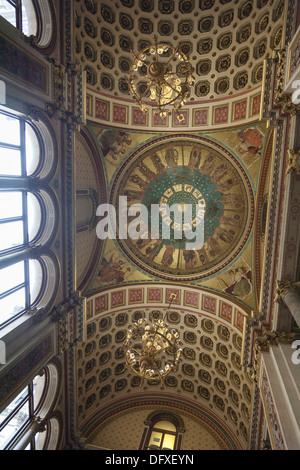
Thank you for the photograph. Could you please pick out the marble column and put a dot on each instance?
(288, 292)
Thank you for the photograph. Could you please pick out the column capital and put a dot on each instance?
(262, 345)
(283, 287)
(39, 424)
(293, 164)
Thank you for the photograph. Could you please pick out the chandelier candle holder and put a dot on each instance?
(152, 76)
(153, 350)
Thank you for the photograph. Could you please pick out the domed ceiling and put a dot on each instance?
(183, 171)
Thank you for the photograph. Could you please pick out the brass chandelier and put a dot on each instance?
(152, 349)
(151, 76)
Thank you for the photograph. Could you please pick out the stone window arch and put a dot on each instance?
(36, 19)
(29, 270)
(28, 421)
(163, 431)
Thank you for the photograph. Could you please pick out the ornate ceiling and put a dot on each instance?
(223, 166)
(210, 372)
(186, 171)
(226, 41)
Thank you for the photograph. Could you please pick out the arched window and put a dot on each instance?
(21, 14)
(163, 436)
(163, 431)
(24, 423)
(27, 214)
(34, 18)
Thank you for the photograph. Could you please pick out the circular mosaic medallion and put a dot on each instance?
(186, 172)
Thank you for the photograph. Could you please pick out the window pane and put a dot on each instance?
(155, 438)
(9, 127)
(11, 235)
(13, 405)
(34, 216)
(10, 162)
(14, 425)
(166, 425)
(29, 23)
(12, 305)
(32, 150)
(168, 442)
(36, 278)
(8, 12)
(10, 204)
(38, 388)
(11, 277)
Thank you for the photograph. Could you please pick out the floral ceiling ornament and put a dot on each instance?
(153, 350)
(156, 81)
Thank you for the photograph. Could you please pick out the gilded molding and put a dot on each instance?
(282, 99)
(68, 84)
(263, 344)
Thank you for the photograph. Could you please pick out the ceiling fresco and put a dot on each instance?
(184, 172)
(220, 170)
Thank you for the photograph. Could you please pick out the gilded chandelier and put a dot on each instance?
(152, 77)
(153, 350)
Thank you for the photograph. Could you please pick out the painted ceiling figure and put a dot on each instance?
(111, 271)
(252, 141)
(220, 172)
(195, 159)
(138, 181)
(241, 283)
(168, 259)
(208, 165)
(113, 141)
(171, 158)
(160, 167)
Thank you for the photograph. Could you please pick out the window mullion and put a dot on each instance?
(12, 219)
(12, 290)
(13, 413)
(27, 284)
(23, 147)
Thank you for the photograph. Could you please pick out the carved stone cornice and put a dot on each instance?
(293, 162)
(68, 85)
(283, 287)
(263, 344)
(69, 334)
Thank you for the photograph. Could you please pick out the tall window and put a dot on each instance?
(163, 431)
(23, 214)
(21, 14)
(17, 420)
(163, 436)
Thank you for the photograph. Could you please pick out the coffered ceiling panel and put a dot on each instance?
(226, 42)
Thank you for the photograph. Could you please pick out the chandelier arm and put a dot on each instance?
(174, 89)
(136, 351)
